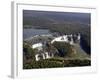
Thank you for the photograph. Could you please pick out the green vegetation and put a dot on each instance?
(76, 63)
(42, 64)
(64, 49)
(54, 63)
(68, 60)
(28, 52)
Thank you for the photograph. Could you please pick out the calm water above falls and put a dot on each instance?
(27, 33)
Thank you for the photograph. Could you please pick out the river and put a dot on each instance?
(27, 33)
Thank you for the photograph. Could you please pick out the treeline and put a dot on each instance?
(54, 63)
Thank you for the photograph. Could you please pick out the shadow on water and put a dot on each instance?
(85, 45)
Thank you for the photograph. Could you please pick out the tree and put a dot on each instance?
(63, 48)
